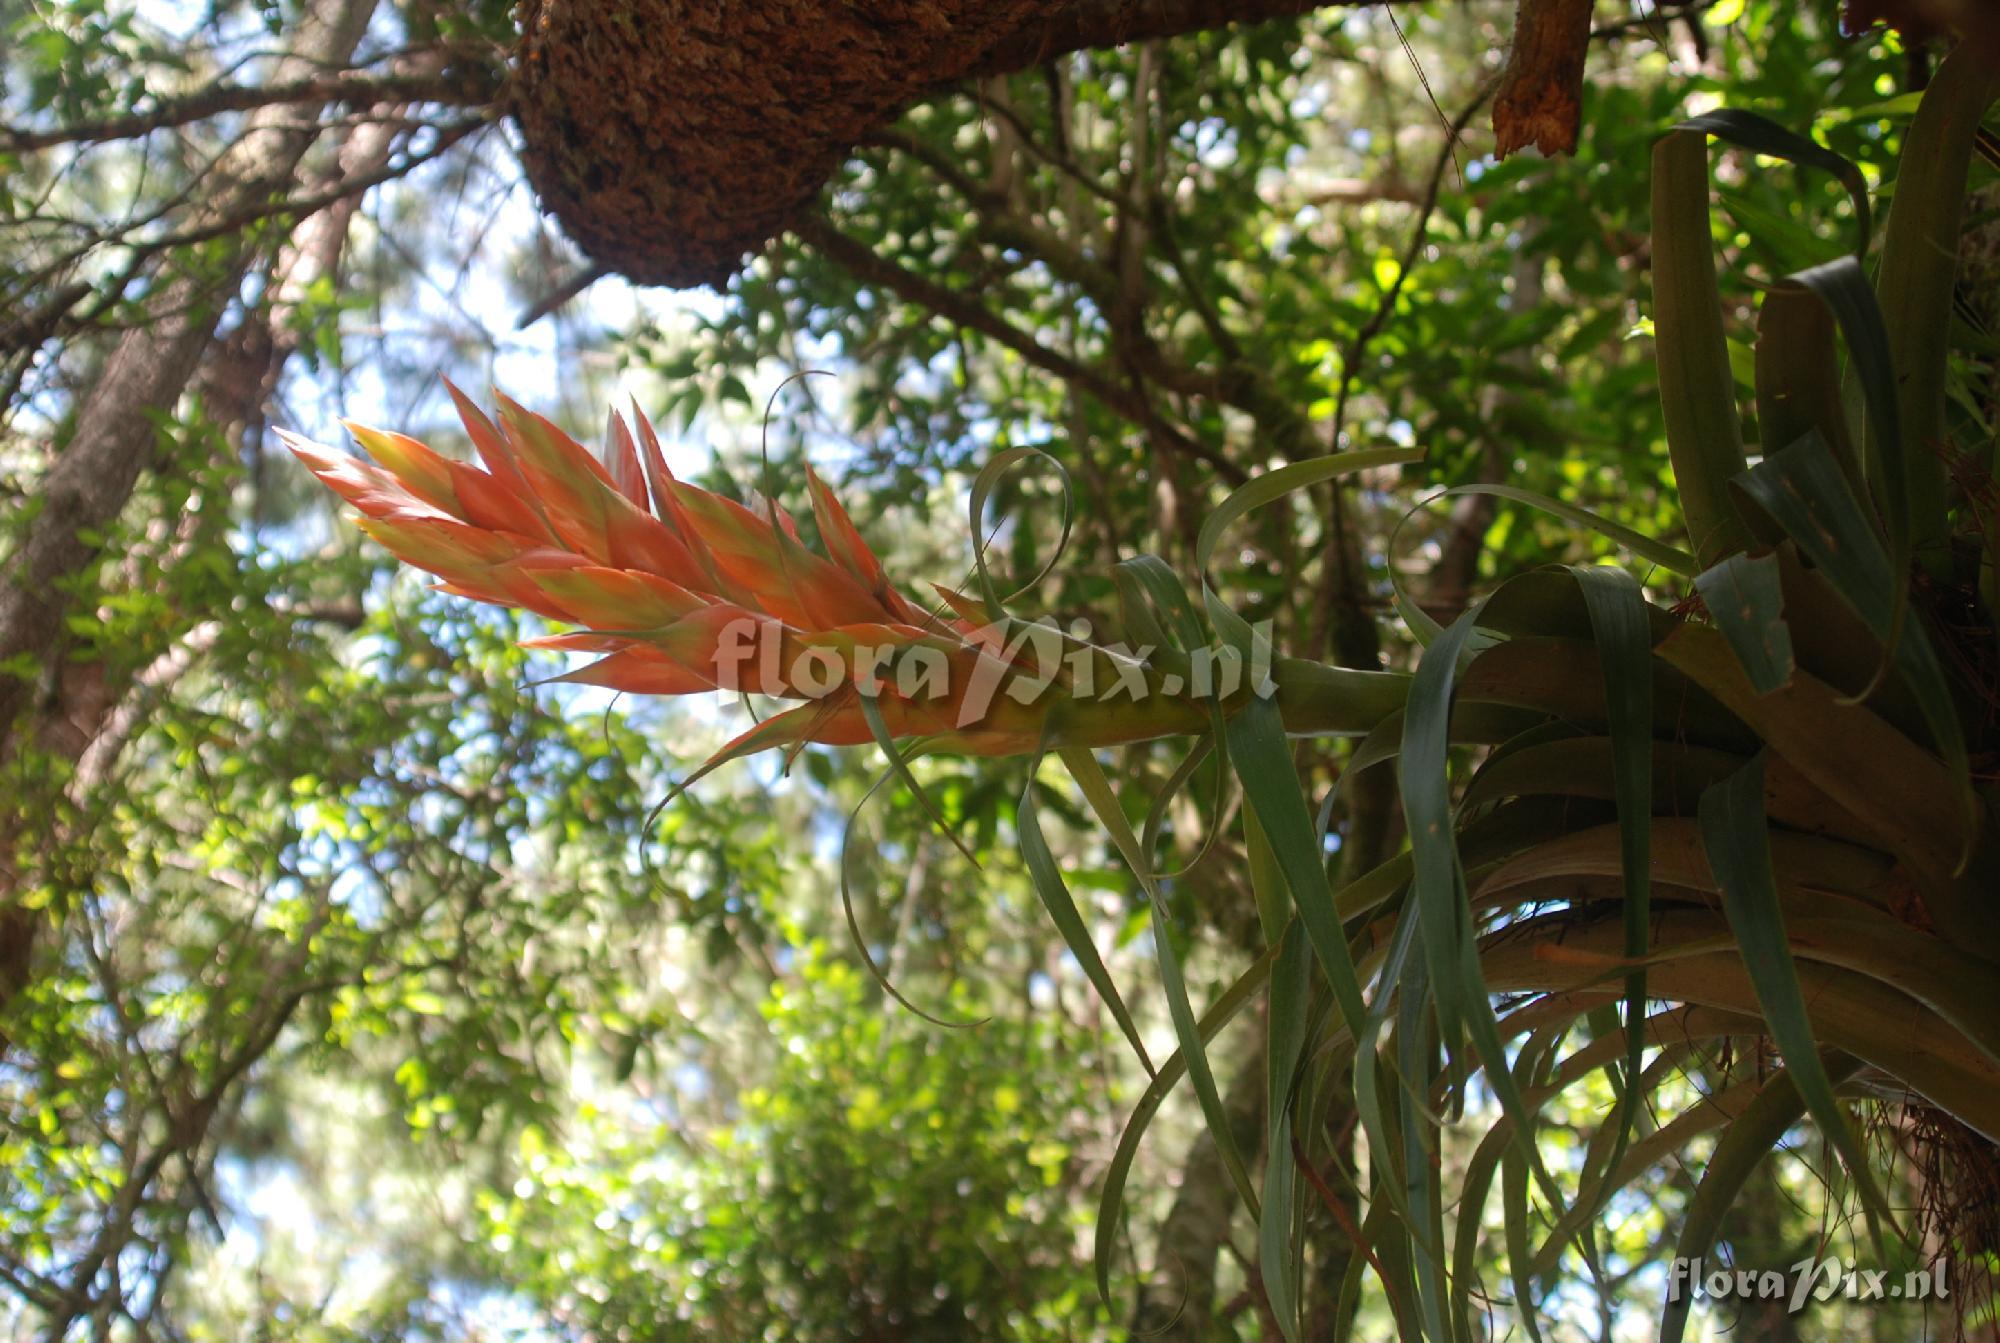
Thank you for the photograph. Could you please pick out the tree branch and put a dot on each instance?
(114, 428)
(301, 207)
(1087, 24)
(468, 85)
(861, 262)
(1350, 360)
(566, 290)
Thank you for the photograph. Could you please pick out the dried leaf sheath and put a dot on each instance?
(682, 590)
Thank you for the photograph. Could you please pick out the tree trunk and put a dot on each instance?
(62, 709)
(150, 365)
(1177, 1304)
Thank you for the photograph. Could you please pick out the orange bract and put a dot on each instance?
(683, 590)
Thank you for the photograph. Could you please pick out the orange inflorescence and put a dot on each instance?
(680, 589)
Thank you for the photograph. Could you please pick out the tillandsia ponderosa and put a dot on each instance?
(1669, 832)
(682, 590)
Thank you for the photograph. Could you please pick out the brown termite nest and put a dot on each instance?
(673, 137)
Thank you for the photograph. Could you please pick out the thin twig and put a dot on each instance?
(561, 294)
(1358, 346)
(472, 85)
(865, 265)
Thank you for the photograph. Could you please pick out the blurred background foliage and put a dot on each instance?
(352, 990)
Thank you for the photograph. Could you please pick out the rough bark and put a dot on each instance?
(1541, 92)
(762, 103)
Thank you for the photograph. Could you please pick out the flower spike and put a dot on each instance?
(680, 590)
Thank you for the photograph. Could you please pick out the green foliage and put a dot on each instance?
(884, 1179)
(369, 1001)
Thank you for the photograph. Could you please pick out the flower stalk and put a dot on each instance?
(679, 590)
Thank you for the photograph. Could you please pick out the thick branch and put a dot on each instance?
(1087, 24)
(562, 293)
(30, 329)
(678, 187)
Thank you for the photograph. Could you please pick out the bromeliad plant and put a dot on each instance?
(1761, 823)
(699, 592)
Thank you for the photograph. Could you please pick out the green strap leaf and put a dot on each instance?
(1474, 1188)
(1458, 984)
(1053, 891)
(1097, 791)
(1738, 844)
(1919, 265)
(1111, 1200)
(982, 489)
(1620, 622)
(1416, 1062)
(1803, 491)
(1767, 137)
(1438, 883)
(1743, 1145)
(1670, 558)
(1147, 585)
(871, 710)
(1798, 376)
(854, 933)
(1843, 290)
(1256, 740)
(1156, 814)
(1697, 387)
(1275, 485)
(1514, 1210)
(1369, 1102)
(1278, 1242)
(1744, 595)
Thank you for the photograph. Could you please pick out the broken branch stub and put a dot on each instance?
(1541, 92)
